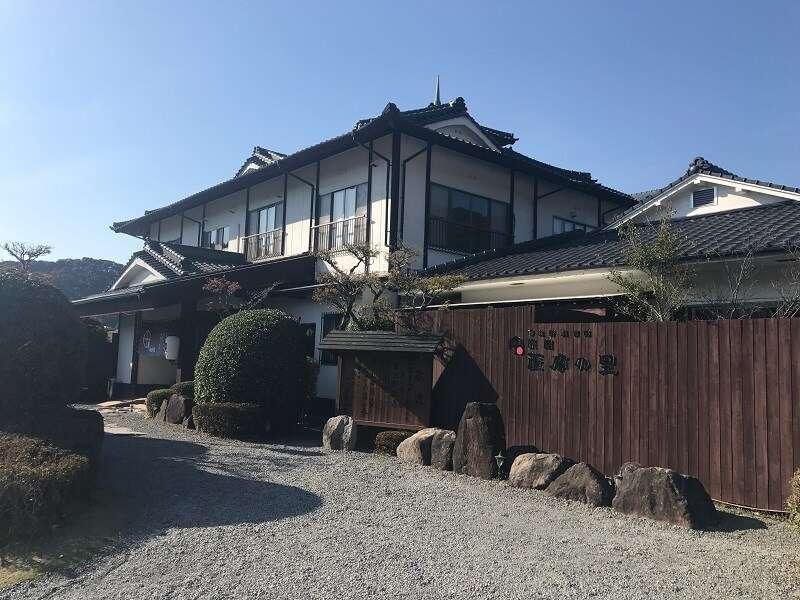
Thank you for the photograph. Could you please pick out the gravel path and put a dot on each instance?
(199, 517)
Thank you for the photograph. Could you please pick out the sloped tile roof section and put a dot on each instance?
(379, 341)
(772, 228)
(261, 157)
(700, 166)
(175, 260)
(410, 122)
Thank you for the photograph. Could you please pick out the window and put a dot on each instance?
(342, 204)
(564, 225)
(266, 219)
(703, 197)
(465, 222)
(217, 239)
(330, 321)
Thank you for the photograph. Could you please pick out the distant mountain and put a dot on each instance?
(77, 277)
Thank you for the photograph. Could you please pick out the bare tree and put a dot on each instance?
(226, 297)
(731, 296)
(26, 254)
(787, 288)
(660, 284)
(365, 298)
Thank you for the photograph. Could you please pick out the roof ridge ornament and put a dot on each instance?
(438, 96)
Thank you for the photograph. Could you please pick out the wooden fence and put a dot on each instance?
(719, 400)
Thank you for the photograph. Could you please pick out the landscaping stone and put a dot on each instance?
(537, 471)
(175, 409)
(417, 448)
(480, 438)
(583, 483)
(339, 433)
(664, 495)
(511, 455)
(627, 468)
(442, 449)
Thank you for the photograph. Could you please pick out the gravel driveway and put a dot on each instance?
(197, 517)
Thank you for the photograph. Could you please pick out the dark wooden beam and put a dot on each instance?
(314, 200)
(368, 232)
(137, 327)
(285, 198)
(535, 208)
(426, 233)
(511, 209)
(394, 207)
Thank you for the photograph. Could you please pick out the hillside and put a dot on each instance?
(77, 277)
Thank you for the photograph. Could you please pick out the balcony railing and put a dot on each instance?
(336, 235)
(263, 245)
(463, 238)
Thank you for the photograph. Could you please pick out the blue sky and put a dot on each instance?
(111, 108)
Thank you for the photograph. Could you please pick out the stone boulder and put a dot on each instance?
(664, 495)
(339, 433)
(175, 409)
(537, 471)
(442, 449)
(583, 483)
(417, 448)
(511, 454)
(480, 438)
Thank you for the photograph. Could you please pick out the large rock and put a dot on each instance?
(664, 495)
(480, 438)
(511, 454)
(175, 409)
(339, 433)
(537, 471)
(417, 448)
(583, 483)
(442, 449)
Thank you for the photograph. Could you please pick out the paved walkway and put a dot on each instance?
(181, 515)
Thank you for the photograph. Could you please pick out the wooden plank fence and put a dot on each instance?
(719, 400)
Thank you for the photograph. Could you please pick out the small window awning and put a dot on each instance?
(379, 341)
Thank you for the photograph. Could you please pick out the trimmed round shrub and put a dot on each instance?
(37, 482)
(255, 357)
(43, 349)
(793, 502)
(184, 388)
(155, 399)
(386, 442)
(99, 365)
(229, 419)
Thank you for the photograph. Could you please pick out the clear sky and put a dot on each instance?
(110, 108)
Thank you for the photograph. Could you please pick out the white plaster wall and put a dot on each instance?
(170, 229)
(680, 204)
(228, 211)
(568, 204)
(125, 348)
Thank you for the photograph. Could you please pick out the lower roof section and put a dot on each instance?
(286, 273)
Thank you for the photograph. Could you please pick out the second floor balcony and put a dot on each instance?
(338, 234)
(262, 246)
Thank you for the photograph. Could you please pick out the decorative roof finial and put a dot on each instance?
(438, 100)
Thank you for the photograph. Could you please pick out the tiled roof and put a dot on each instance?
(260, 157)
(175, 260)
(761, 229)
(389, 118)
(701, 166)
(379, 341)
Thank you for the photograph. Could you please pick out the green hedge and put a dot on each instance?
(184, 388)
(255, 357)
(229, 419)
(43, 349)
(386, 442)
(37, 483)
(793, 503)
(155, 399)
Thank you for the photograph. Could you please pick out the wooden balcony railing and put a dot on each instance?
(463, 238)
(336, 235)
(263, 245)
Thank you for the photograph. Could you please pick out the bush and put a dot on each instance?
(255, 357)
(229, 419)
(37, 482)
(793, 503)
(386, 442)
(156, 398)
(184, 388)
(43, 349)
(99, 366)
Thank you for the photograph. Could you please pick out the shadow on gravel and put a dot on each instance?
(730, 522)
(147, 485)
